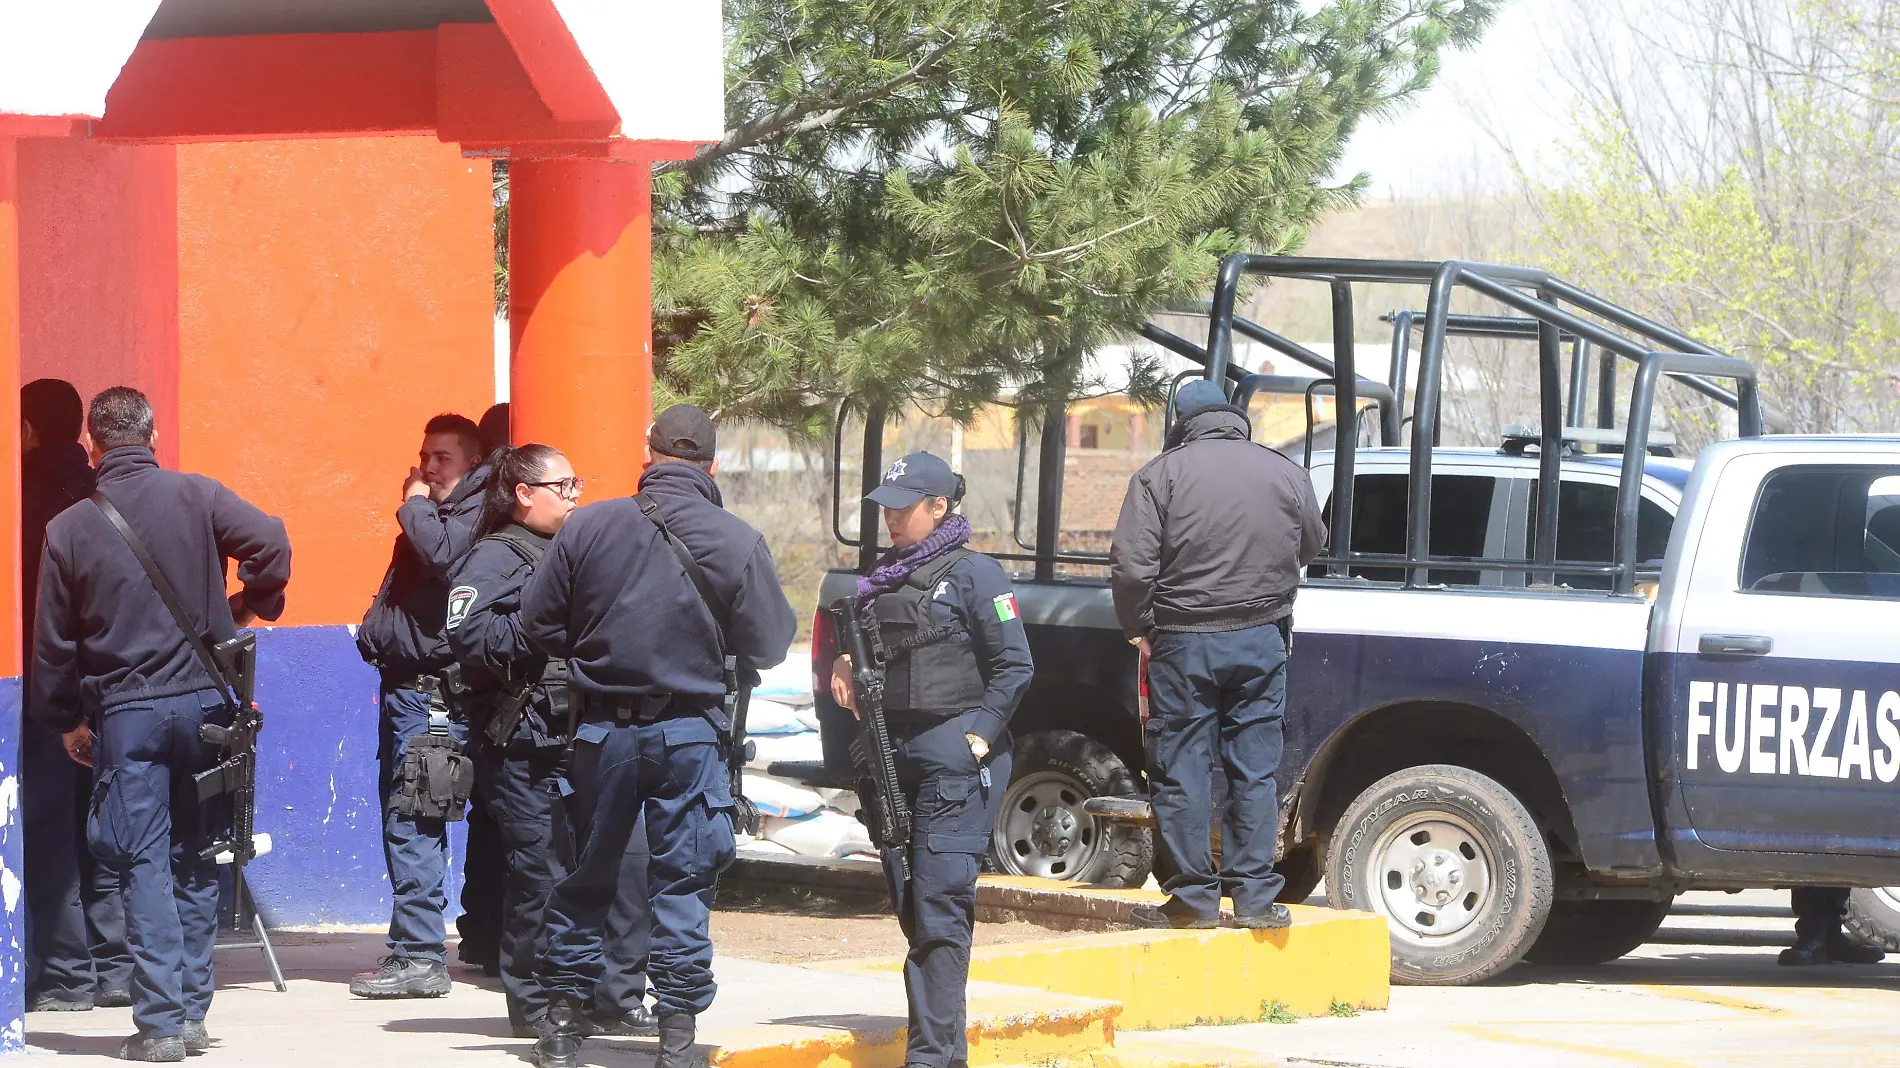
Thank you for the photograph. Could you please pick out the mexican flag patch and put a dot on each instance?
(1005, 606)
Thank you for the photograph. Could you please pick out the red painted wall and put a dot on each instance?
(296, 310)
(99, 271)
(333, 295)
(9, 410)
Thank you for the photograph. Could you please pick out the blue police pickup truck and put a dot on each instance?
(1519, 724)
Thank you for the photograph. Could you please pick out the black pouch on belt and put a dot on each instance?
(437, 774)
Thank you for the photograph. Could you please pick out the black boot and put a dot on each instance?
(562, 1033)
(1171, 913)
(1805, 951)
(403, 977)
(1843, 948)
(676, 1043)
(637, 1022)
(152, 1050)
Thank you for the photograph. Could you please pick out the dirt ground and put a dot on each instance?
(790, 925)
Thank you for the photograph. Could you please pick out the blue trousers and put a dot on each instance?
(1218, 697)
(521, 784)
(58, 958)
(99, 890)
(415, 849)
(671, 774)
(147, 823)
(952, 814)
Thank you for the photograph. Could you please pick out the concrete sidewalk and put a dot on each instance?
(796, 1013)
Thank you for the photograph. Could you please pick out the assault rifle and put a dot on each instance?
(880, 798)
(236, 771)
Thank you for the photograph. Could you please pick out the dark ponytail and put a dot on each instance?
(511, 466)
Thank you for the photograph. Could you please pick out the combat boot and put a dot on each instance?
(195, 1037)
(152, 1050)
(403, 977)
(676, 1043)
(637, 1023)
(1843, 948)
(562, 1033)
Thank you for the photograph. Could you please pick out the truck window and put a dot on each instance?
(1461, 518)
(1823, 531)
(1586, 530)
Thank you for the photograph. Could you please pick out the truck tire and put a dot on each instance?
(1595, 932)
(1301, 869)
(1874, 916)
(1454, 863)
(1041, 828)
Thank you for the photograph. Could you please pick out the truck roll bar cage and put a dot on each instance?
(1540, 298)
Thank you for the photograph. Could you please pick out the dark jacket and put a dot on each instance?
(1213, 533)
(403, 633)
(612, 598)
(53, 478)
(484, 627)
(104, 638)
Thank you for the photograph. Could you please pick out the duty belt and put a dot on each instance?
(445, 689)
(625, 706)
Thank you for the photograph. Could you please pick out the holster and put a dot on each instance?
(437, 775)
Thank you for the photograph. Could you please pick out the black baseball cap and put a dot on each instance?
(684, 432)
(913, 478)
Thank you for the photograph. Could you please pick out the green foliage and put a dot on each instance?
(1340, 1010)
(946, 198)
(1276, 1012)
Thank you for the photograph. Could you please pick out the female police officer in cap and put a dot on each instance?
(959, 664)
(521, 701)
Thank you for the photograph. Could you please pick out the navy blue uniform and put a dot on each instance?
(404, 636)
(58, 958)
(521, 782)
(105, 645)
(953, 802)
(646, 662)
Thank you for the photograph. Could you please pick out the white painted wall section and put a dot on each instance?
(662, 65)
(58, 57)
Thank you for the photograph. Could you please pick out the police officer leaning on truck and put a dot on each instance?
(959, 664)
(646, 654)
(518, 703)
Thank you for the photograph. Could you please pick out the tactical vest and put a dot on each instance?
(931, 668)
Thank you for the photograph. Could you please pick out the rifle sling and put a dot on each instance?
(170, 597)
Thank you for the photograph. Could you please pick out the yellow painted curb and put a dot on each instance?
(1182, 978)
(1031, 1028)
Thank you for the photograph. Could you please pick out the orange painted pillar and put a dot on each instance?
(10, 412)
(581, 317)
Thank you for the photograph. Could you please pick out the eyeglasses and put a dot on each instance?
(568, 488)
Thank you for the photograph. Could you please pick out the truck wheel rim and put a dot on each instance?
(1043, 829)
(1431, 876)
(1889, 896)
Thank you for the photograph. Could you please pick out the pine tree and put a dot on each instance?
(947, 198)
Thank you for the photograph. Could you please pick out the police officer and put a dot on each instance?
(646, 664)
(403, 637)
(54, 475)
(959, 663)
(519, 706)
(107, 646)
(484, 856)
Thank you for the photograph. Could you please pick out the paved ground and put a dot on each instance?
(1707, 993)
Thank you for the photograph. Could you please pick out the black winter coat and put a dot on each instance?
(103, 636)
(403, 632)
(611, 597)
(1213, 533)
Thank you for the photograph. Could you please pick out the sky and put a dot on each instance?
(1440, 141)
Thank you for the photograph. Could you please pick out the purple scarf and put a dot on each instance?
(899, 564)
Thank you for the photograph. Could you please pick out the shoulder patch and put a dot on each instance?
(1005, 604)
(461, 598)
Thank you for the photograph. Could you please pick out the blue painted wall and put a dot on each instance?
(316, 783)
(13, 919)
